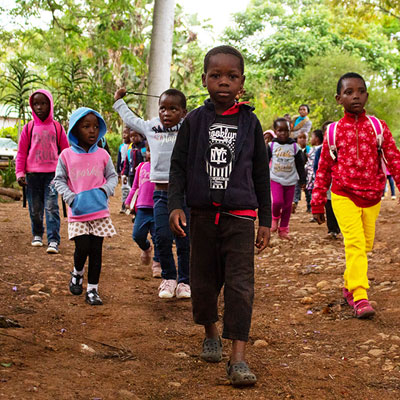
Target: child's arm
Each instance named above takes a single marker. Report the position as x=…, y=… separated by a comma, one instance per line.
x=22, y=155
x=262, y=189
x=64, y=144
x=391, y=153
x=138, y=124
x=299, y=162
x=135, y=186
x=177, y=180
x=316, y=160
x=61, y=182
x=111, y=178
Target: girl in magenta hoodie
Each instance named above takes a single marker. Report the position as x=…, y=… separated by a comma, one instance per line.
x=86, y=178
x=41, y=141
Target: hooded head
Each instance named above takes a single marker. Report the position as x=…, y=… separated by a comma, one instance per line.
x=75, y=117
x=36, y=118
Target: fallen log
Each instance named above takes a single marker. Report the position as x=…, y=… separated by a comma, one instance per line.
x=13, y=193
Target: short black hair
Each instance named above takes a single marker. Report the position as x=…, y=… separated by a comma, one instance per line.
x=281, y=119
x=177, y=93
x=225, y=49
x=348, y=75
x=319, y=134
x=325, y=125
x=306, y=106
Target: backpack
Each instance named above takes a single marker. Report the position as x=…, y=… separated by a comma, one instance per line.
x=376, y=126
x=30, y=130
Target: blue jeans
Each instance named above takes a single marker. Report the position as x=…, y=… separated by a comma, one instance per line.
x=165, y=238
x=144, y=223
x=43, y=197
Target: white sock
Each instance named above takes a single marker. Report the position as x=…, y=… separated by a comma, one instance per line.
x=91, y=287
x=80, y=273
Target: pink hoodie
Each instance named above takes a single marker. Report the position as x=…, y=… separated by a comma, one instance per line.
x=37, y=150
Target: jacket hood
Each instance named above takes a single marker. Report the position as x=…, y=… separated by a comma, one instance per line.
x=49, y=118
x=75, y=117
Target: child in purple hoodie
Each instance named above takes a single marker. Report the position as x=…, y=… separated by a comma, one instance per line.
x=86, y=178
x=41, y=141
x=142, y=190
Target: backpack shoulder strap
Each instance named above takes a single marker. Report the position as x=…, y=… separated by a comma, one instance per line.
x=58, y=134
x=29, y=130
x=331, y=138
x=295, y=148
x=378, y=129
x=272, y=147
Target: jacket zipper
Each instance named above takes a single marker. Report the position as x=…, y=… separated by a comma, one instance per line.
x=357, y=136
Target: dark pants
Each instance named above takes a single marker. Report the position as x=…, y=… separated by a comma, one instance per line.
x=43, y=198
x=165, y=239
x=222, y=255
x=330, y=218
x=92, y=246
x=144, y=223
x=297, y=196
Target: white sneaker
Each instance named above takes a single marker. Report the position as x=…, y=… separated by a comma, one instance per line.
x=53, y=248
x=183, y=291
x=37, y=241
x=393, y=197
x=167, y=289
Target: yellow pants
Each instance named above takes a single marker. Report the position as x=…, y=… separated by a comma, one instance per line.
x=358, y=229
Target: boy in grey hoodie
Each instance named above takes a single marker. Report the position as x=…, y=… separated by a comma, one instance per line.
x=161, y=133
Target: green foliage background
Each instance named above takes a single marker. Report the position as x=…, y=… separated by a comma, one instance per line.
x=295, y=51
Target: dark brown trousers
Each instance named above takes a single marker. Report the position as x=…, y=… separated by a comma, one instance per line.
x=222, y=255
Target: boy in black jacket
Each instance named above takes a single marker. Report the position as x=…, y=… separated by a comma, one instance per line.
x=220, y=163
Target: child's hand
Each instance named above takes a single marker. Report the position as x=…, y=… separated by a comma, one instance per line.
x=177, y=219
x=119, y=94
x=320, y=218
x=22, y=181
x=124, y=179
x=303, y=186
x=263, y=235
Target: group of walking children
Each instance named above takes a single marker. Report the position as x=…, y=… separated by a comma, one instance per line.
x=217, y=166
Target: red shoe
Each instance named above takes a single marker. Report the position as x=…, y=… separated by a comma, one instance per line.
x=284, y=233
x=363, y=310
x=348, y=296
x=274, y=225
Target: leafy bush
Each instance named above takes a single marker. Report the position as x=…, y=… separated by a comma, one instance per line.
x=8, y=175
x=10, y=132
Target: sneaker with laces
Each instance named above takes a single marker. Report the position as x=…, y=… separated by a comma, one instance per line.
x=52, y=248
x=363, y=310
x=393, y=197
x=166, y=290
x=183, y=291
x=156, y=269
x=348, y=296
x=145, y=256
x=76, y=288
x=37, y=241
x=93, y=298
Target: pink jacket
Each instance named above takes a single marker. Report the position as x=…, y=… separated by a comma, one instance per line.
x=146, y=188
x=38, y=148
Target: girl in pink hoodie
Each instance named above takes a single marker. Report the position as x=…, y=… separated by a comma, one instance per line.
x=41, y=141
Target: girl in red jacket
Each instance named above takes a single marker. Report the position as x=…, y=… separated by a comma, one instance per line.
x=353, y=163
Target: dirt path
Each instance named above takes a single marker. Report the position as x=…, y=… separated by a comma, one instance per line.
x=304, y=343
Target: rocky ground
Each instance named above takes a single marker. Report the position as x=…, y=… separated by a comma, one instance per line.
x=305, y=343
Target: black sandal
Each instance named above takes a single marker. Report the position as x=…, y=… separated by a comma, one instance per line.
x=239, y=374
x=75, y=288
x=212, y=350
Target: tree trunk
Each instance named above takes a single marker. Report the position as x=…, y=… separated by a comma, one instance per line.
x=160, y=53
x=13, y=193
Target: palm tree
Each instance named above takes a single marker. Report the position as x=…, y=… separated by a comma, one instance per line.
x=17, y=83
